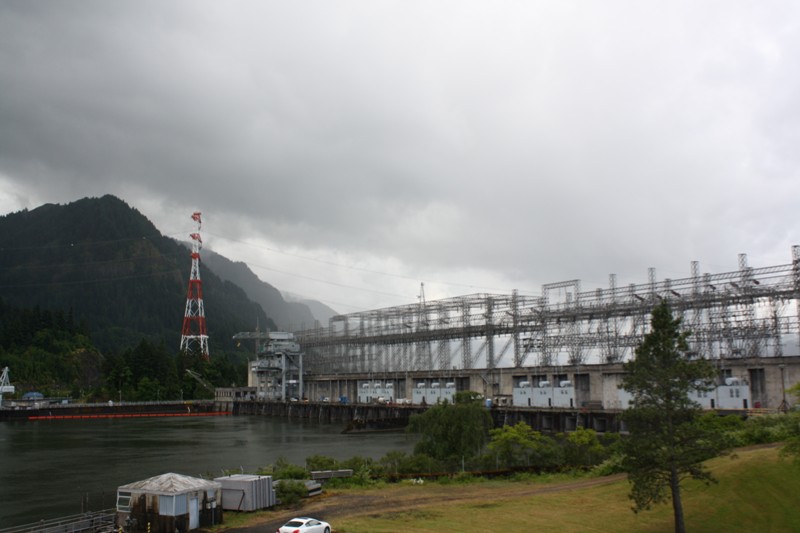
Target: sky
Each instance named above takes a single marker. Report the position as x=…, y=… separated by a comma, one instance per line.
x=362, y=152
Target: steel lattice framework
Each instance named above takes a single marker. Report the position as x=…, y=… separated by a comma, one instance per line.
x=194, y=335
x=750, y=312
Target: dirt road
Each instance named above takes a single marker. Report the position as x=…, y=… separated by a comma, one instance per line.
x=407, y=497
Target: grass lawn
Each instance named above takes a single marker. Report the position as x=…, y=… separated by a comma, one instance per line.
x=757, y=492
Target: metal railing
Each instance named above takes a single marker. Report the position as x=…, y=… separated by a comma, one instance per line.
x=91, y=522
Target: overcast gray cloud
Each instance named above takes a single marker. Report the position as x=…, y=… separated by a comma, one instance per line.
x=350, y=150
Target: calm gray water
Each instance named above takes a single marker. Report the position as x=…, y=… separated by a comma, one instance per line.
x=49, y=468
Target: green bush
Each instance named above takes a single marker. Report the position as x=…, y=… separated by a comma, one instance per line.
x=582, y=448
x=289, y=491
x=364, y=469
x=765, y=429
x=321, y=462
x=792, y=446
x=612, y=465
x=395, y=463
x=520, y=446
x=283, y=469
x=291, y=472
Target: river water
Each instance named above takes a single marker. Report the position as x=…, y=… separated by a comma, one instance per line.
x=50, y=469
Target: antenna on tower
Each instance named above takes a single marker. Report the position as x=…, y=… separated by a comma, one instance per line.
x=423, y=314
x=194, y=337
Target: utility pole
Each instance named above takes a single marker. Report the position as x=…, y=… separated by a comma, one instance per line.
x=784, y=407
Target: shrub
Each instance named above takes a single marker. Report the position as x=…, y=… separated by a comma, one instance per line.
x=582, y=448
x=419, y=463
x=765, y=429
x=283, y=469
x=364, y=469
x=289, y=491
x=291, y=472
x=321, y=462
x=521, y=446
x=612, y=465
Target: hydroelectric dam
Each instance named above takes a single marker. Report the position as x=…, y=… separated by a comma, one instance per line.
x=554, y=359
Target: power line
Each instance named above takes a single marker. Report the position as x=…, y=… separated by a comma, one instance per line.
x=357, y=269
x=327, y=282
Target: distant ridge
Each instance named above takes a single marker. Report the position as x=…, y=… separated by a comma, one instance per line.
x=321, y=312
x=287, y=315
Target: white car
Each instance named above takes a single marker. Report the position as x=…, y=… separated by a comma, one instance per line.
x=305, y=525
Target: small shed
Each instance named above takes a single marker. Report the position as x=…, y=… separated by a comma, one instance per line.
x=245, y=492
x=168, y=503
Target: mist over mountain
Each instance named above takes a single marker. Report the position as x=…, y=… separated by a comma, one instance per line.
x=105, y=263
x=321, y=312
x=290, y=314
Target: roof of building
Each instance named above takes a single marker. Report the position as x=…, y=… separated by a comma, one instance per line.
x=170, y=484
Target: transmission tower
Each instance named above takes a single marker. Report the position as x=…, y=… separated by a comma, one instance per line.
x=194, y=337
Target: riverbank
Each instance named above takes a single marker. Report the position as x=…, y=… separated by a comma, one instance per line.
x=70, y=411
x=756, y=487
x=95, y=456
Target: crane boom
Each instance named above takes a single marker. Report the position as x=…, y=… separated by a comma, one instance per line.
x=208, y=386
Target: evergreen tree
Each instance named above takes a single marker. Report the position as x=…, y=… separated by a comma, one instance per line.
x=667, y=441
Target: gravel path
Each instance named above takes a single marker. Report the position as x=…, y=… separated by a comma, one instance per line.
x=331, y=507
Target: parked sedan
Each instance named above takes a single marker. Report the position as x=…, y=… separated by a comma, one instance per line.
x=305, y=525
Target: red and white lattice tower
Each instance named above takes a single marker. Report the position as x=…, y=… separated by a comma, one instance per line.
x=194, y=337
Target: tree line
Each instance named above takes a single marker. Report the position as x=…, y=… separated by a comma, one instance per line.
x=48, y=351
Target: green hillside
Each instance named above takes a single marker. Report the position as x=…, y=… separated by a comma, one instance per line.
x=112, y=270
x=92, y=298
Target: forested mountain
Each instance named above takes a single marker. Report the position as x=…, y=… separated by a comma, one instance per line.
x=108, y=266
x=92, y=298
x=47, y=347
x=288, y=315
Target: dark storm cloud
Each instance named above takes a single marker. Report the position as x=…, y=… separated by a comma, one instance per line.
x=496, y=145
